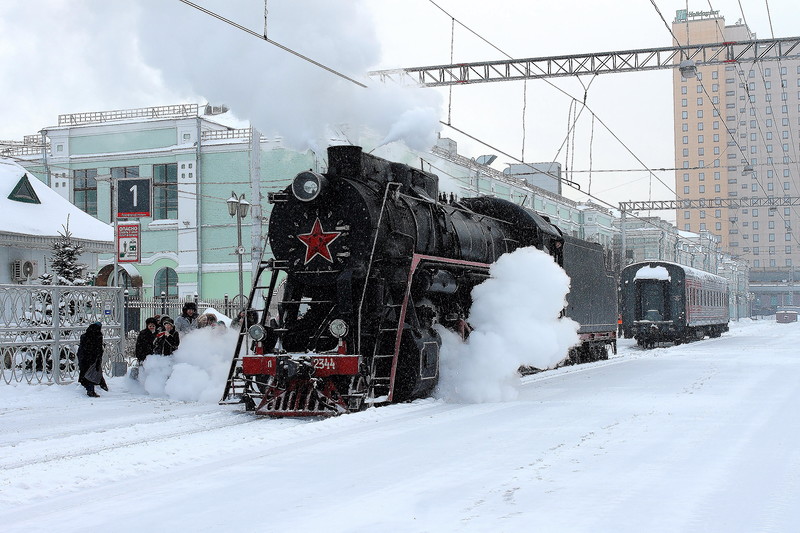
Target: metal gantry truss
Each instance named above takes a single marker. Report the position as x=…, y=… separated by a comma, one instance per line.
x=597, y=63
x=705, y=203
x=701, y=203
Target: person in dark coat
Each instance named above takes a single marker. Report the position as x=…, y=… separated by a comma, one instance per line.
x=167, y=341
x=90, y=355
x=187, y=321
x=145, y=340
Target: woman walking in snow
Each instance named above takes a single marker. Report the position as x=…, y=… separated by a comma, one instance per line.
x=90, y=360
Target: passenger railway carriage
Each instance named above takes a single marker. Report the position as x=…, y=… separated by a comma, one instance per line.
x=666, y=302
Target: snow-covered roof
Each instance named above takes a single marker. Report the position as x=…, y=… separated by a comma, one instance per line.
x=47, y=218
x=652, y=272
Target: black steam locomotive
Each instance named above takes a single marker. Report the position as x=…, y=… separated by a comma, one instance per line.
x=667, y=302
x=368, y=257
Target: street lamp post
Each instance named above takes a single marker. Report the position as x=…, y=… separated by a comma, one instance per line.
x=238, y=207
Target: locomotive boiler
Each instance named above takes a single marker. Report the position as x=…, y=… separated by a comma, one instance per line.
x=368, y=257
x=667, y=302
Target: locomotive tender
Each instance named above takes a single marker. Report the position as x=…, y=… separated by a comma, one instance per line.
x=667, y=302
x=371, y=257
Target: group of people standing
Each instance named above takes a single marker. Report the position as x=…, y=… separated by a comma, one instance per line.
x=161, y=336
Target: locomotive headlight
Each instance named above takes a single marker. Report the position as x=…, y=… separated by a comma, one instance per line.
x=338, y=328
x=308, y=185
x=257, y=332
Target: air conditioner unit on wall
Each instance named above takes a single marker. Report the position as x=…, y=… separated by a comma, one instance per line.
x=24, y=269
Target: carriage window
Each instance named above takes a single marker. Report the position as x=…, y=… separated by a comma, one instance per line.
x=654, y=301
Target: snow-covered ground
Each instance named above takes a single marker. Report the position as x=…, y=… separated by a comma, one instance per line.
x=699, y=437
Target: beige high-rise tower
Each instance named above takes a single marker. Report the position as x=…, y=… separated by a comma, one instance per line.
x=729, y=119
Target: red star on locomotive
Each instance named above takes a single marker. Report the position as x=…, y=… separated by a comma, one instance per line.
x=317, y=242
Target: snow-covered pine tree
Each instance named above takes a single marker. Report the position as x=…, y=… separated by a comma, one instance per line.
x=64, y=261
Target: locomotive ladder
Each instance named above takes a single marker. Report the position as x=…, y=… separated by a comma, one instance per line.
x=236, y=384
x=383, y=365
x=383, y=368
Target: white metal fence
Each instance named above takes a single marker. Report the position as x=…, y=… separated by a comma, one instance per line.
x=41, y=325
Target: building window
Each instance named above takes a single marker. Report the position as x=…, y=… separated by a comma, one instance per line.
x=165, y=191
x=166, y=281
x=699, y=113
x=684, y=115
x=686, y=190
x=85, y=190
x=684, y=90
x=702, y=188
x=125, y=172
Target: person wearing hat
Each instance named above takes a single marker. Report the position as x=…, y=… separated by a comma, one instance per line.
x=145, y=339
x=90, y=360
x=167, y=340
x=188, y=319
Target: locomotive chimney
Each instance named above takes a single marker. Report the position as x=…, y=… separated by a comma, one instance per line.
x=344, y=161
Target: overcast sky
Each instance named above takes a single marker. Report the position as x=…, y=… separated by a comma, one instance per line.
x=65, y=56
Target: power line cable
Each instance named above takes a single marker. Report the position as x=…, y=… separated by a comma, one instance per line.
x=270, y=41
x=559, y=89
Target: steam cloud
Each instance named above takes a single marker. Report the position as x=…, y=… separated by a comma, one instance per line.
x=514, y=316
x=278, y=92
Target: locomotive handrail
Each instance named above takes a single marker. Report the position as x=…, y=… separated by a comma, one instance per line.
x=372, y=256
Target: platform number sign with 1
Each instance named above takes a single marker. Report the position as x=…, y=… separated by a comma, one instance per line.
x=133, y=197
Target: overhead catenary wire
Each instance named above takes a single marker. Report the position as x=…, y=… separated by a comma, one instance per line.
x=566, y=182
x=734, y=140
x=270, y=41
x=556, y=87
x=754, y=112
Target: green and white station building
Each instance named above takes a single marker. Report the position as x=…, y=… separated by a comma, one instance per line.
x=193, y=161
